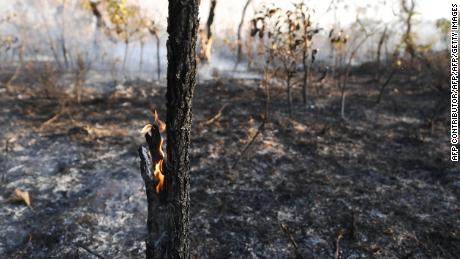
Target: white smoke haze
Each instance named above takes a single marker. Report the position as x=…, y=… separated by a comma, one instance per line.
x=46, y=27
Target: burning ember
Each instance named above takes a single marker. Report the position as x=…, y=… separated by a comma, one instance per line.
x=155, y=142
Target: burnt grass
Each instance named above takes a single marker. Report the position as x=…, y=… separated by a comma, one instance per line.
x=378, y=185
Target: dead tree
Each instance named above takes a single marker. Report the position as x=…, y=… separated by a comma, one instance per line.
x=168, y=205
x=157, y=226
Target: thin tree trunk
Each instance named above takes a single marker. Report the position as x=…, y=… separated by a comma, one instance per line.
x=208, y=43
x=342, y=106
x=63, y=45
x=182, y=29
x=379, y=53
x=158, y=57
x=289, y=94
x=125, y=56
x=266, y=84
x=141, y=58
x=238, y=35
x=408, y=37
x=168, y=206
x=334, y=63
x=250, y=51
x=382, y=88
x=380, y=45
x=50, y=39
x=306, y=70
x=64, y=51
x=100, y=25
x=211, y=18
x=342, y=99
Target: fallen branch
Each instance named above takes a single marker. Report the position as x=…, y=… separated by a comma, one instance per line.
x=91, y=251
x=285, y=228
x=215, y=117
x=259, y=130
x=337, y=246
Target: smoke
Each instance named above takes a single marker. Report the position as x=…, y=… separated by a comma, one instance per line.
x=63, y=31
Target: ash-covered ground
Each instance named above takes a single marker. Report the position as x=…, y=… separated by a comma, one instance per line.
x=378, y=185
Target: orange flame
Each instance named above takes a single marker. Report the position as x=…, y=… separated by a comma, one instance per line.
x=158, y=172
x=158, y=166
x=160, y=123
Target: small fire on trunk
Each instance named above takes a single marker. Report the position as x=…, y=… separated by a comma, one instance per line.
x=152, y=134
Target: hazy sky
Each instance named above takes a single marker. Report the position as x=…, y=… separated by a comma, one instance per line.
x=228, y=12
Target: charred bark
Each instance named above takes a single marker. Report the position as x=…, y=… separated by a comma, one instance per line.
x=168, y=206
x=211, y=18
x=182, y=30
x=156, y=241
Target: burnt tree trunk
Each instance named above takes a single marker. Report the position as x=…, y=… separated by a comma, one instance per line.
x=182, y=30
x=168, y=206
x=211, y=18
x=157, y=236
x=209, y=23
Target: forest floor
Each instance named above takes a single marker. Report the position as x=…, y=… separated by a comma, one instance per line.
x=378, y=185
